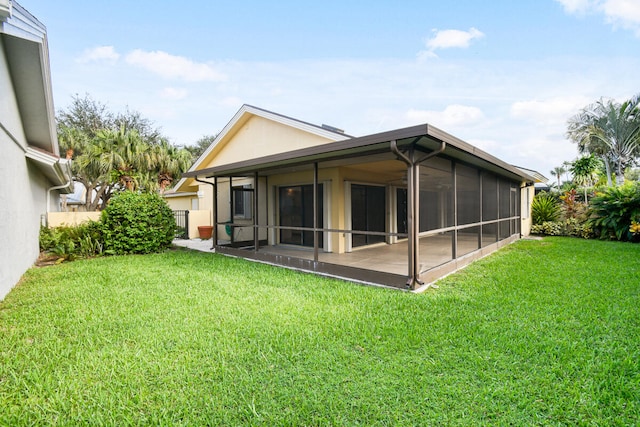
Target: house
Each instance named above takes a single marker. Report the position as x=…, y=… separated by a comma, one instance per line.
x=399, y=208
x=28, y=142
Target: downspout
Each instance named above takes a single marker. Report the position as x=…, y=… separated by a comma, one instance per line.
x=50, y=189
x=413, y=208
x=57, y=187
x=215, y=210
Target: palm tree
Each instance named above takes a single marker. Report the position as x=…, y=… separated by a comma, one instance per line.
x=585, y=172
x=170, y=161
x=94, y=168
x=611, y=131
x=557, y=172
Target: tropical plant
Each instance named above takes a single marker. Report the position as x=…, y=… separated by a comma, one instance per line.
x=137, y=223
x=170, y=163
x=544, y=207
x=114, y=152
x=585, y=172
x=610, y=131
x=557, y=172
x=71, y=242
x=614, y=211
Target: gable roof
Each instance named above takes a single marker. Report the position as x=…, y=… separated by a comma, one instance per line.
x=24, y=41
x=242, y=116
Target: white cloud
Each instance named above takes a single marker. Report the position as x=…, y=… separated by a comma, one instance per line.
x=619, y=13
x=576, y=6
x=174, y=67
x=625, y=13
x=488, y=145
x=173, y=93
x=553, y=111
x=446, y=39
x=453, y=115
x=99, y=53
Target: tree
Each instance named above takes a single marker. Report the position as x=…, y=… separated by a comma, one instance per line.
x=200, y=146
x=171, y=162
x=116, y=152
x=557, y=172
x=610, y=131
x=585, y=172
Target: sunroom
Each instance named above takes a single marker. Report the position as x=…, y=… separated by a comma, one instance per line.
x=397, y=209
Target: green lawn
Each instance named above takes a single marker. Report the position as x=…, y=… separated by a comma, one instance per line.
x=540, y=333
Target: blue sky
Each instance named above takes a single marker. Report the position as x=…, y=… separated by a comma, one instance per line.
x=503, y=75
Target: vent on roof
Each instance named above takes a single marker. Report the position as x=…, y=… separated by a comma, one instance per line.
x=332, y=129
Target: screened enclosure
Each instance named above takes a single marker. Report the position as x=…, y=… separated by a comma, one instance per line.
x=389, y=209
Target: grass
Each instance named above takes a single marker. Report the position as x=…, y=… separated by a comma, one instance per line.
x=540, y=333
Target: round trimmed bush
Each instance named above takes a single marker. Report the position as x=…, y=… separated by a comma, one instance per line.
x=137, y=223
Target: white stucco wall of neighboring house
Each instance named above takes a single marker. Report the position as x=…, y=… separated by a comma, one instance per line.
x=29, y=165
x=22, y=197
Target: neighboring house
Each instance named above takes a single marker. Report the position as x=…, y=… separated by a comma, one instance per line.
x=32, y=174
x=398, y=208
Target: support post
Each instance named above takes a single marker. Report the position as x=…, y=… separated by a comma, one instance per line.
x=231, y=196
x=256, y=235
x=413, y=207
x=315, y=212
x=215, y=212
x=214, y=216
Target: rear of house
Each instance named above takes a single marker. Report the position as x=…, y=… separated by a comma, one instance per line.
x=399, y=208
x=32, y=173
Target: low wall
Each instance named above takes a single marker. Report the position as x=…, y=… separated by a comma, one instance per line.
x=196, y=218
x=56, y=219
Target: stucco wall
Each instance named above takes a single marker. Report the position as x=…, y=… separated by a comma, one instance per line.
x=260, y=137
x=23, y=195
x=56, y=219
x=181, y=203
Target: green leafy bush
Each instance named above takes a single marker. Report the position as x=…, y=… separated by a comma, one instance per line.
x=134, y=223
x=568, y=227
x=613, y=212
x=71, y=242
x=545, y=207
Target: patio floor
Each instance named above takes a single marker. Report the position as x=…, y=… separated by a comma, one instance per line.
x=389, y=258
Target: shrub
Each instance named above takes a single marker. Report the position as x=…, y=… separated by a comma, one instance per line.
x=134, y=223
x=613, y=212
x=545, y=207
x=568, y=227
x=70, y=242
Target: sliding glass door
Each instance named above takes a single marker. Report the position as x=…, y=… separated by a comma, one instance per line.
x=367, y=213
x=296, y=210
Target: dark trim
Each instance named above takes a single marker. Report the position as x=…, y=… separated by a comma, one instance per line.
x=423, y=137
x=344, y=272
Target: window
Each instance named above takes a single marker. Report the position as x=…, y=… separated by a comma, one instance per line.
x=242, y=202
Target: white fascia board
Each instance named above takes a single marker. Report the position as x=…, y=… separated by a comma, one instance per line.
x=20, y=23
x=5, y=9
x=27, y=49
x=248, y=109
x=57, y=170
x=306, y=127
x=170, y=195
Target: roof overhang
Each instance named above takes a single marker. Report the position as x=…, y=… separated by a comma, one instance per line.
x=57, y=170
x=425, y=138
x=5, y=9
x=25, y=44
